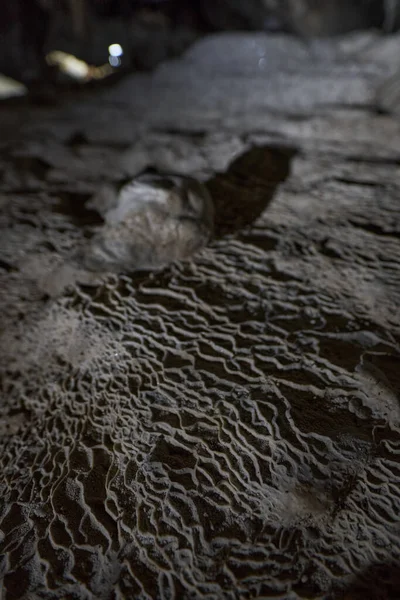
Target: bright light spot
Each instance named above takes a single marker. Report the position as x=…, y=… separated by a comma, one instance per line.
x=114, y=61
x=115, y=50
x=10, y=88
x=71, y=65
x=79, y=69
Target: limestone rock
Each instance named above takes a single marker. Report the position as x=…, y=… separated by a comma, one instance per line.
x=156, y=220
x=228, y=426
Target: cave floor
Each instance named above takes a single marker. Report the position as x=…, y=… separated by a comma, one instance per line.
x=227, y=427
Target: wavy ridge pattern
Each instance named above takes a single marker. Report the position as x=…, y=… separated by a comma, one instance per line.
x=226, y=428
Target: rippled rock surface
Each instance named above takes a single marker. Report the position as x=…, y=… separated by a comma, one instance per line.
x=227, y=427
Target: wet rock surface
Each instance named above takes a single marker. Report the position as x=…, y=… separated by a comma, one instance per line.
x=227, y=427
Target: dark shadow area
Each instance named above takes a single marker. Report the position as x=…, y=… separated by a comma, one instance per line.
x=73, y=204
x=240, y=194
x=385, y=368
x=244, y=191
x=377, y=582
x=238, y=197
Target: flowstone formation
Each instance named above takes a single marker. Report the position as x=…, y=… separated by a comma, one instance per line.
x=152, y=221
x=227, y=426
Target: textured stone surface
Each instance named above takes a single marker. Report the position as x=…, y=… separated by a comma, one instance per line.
x=150, y=223
x=227, y=427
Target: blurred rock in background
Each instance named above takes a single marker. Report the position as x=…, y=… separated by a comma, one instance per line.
x=151, y=30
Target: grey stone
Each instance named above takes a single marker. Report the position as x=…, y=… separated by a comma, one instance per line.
x=227, y=426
